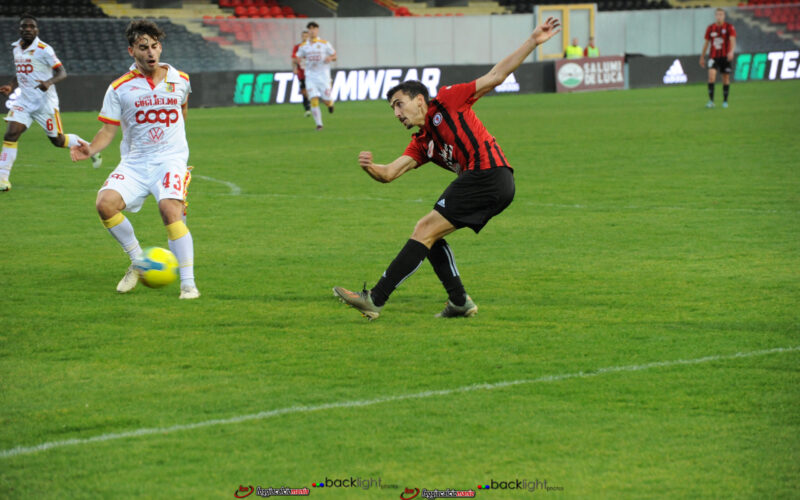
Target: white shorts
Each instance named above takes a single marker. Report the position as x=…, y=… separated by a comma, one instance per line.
x=45, y=112
x=318, y=88
x=165, y=179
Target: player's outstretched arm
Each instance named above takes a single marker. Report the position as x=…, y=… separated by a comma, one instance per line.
x=501, y=70
x=101, y=140
x=388, y=172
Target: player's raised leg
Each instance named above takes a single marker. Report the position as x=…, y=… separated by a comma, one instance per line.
x=51, y=123
x=109, y=206
x=180, y=243
x=444, y=265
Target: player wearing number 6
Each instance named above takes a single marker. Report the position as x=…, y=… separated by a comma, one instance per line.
x=37, y=71
x=150, y=102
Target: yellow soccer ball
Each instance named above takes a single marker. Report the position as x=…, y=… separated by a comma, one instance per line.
x=156, y=267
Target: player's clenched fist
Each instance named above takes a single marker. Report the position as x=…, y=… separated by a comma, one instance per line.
x=365, y=159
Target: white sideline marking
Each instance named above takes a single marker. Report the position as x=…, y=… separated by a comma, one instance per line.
x=235, y=190
x=25, y=450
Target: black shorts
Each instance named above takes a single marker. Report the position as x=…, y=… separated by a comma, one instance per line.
x=721, y=64
x=302, y=83
x=476, y=196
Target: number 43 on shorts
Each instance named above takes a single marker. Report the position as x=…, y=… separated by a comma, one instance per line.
x=177, y=181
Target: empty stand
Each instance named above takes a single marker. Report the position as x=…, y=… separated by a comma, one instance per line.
x=103, y=48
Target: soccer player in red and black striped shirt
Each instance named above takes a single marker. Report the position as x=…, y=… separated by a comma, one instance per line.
x=721, y=36
x=451, y=136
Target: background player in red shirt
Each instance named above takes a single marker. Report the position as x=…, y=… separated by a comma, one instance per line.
x=451, y=136
x=297, y=69
x=721, y=36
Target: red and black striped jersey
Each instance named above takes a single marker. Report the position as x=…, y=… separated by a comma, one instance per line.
x=453, y=137
x=720, y=38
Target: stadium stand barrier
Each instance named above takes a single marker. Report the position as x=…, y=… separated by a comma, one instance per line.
x=229, y=47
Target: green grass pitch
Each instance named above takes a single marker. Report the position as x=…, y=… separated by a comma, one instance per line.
x=646, y=230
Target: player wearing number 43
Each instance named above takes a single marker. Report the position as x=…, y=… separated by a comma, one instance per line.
x=150, y=102
x=37, y=71
x=451, y=136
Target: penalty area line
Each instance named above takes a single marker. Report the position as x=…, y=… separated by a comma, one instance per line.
x=27, y=450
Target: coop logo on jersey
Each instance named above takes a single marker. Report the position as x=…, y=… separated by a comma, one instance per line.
x=165, y=116
x=778, y=65
x=570, y=75
x=24, y=68
x=347, y=85
x=675, y=74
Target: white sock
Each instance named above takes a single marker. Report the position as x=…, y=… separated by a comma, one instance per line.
x=183, y=248
x=317, y=114
x=7, y=157
x=72, y=140
x=123, y=233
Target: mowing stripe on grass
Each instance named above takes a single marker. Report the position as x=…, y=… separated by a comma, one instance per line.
x=26, y=450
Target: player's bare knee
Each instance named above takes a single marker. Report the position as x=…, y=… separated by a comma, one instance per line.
x=12, y=134
x=105, y=208
x=171, y=210
x=424, y=232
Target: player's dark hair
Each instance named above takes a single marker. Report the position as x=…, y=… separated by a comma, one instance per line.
x=720, y=9
x=141, y=27
x=411, y=88
x=28, y=15
x=312, y=24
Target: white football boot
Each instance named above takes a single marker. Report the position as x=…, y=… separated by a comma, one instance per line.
x=129, y=281
x=189, y=292
x=97, y=160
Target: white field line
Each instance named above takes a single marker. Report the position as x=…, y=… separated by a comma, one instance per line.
x=26, y=450
x=235, y=190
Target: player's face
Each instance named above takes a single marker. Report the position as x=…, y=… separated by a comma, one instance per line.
x=720, y=16
x=28, y=30
x=313, y=32
x=410, y=111
x=146, y=52
x=304, y=35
